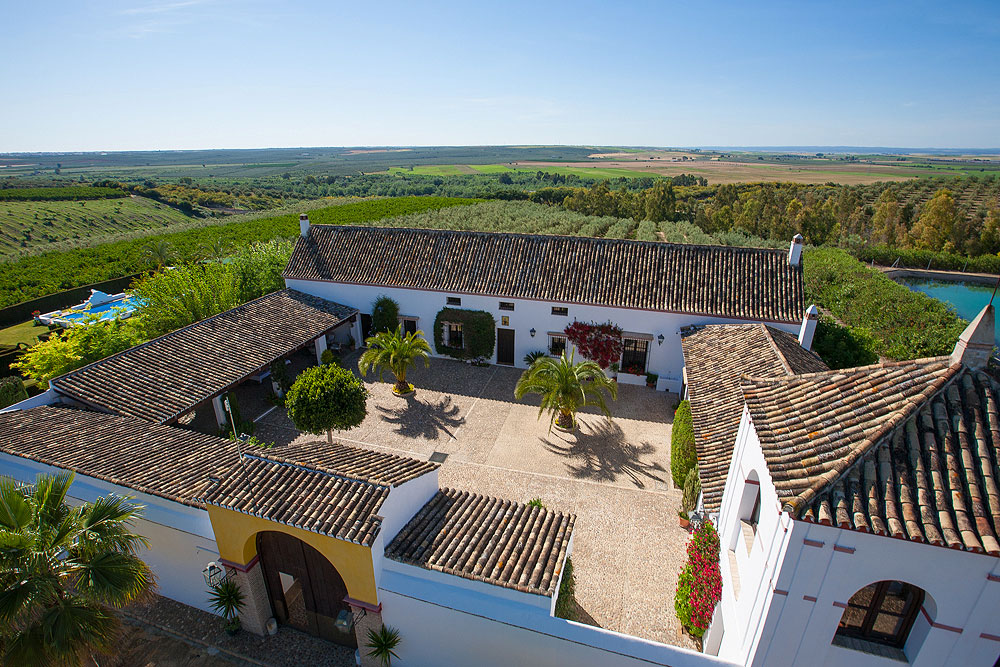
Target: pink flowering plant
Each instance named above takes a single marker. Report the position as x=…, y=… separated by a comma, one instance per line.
x=598, y=342
x=699, y=587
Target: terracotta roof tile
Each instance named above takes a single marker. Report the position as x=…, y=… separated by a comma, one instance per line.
x=743, y=283
x=355, y=462
x=496, y=541
x=716, y=356
x=168, y=376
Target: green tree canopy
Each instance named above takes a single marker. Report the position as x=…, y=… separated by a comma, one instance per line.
x=394, y=352
x=682, y=452
x=385, y=315
x=327, y=398
x=565, y=388
x=936, y=224
x=61, y=568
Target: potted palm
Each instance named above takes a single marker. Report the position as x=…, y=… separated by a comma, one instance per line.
x=382, y=643
x=227, y=599
x=565, y=388
x=614, y=371
x=651, y=379
x=392, y=351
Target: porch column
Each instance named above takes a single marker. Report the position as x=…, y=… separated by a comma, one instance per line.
x=372, y=621
x=220, y=412
x=257, y=606
x=320, y=349
x=356, y=332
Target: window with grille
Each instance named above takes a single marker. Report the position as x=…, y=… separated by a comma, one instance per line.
x=634, y=353
x=882, y=612
x=506, y=305
x=455, y=336
x=557, y=345
x=454, y=301
x=558, y=310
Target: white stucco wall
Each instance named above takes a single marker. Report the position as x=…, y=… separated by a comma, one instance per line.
x=793, y=574
x=442, y=621
x=402, y=503
x=665, y=360
x=180, y=537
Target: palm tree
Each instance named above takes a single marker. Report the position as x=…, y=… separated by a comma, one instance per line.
x=158, y=253
x=217, y=249
x=392, y=351
x=61, y=568
x=565, y=388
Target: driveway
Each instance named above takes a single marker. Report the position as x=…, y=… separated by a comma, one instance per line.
x=628, y=548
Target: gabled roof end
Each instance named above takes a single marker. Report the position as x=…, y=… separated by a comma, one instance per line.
x=975, y=345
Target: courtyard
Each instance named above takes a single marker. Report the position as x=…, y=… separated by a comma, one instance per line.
x=615, y=475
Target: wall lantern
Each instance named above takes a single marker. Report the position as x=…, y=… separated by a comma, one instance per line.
x=346, y=620
x=659, y=339
x=213, y=574
x=532, y=332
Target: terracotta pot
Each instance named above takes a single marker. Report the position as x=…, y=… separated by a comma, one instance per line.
x=684, y=522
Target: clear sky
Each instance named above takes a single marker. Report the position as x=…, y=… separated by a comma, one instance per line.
x=169, y=74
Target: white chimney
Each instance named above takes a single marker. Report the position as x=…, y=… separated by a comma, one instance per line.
x=808, y=328
x=975, y=345
x=304, y=225
x=795, y=251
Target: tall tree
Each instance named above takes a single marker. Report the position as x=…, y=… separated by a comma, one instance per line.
x=61, y=568
x=935, y=226
x=658, y=202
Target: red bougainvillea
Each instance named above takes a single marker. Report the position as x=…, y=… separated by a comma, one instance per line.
x=598, y=342
x=699, y=586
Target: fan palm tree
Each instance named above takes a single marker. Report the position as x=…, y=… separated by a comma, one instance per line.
x=565, y=388
x=392, y=351
x=61, y=568
x=158, y=253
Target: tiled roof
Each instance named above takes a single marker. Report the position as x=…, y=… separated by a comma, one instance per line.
x=306, y=498
x=355, y=462
x=744, y=283
x=906, y=449
x=496, y=541
x=716, y=356
x=168, y=376
x=164, y=461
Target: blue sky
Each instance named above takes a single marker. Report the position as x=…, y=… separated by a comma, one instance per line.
x=174, y=74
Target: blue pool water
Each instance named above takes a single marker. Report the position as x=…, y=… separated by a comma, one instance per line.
x=106, y=311
x=966, y=299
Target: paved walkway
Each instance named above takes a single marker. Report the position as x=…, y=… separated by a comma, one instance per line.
x=628, y=547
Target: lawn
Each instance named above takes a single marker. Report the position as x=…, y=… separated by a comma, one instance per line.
x=26, y=332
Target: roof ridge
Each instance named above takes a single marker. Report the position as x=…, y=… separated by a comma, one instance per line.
x=609, y=241
x=891, y=363
x=857, y=453
x=777, y=351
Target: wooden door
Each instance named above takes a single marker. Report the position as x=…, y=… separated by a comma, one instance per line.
x=505, y=347
x=409, y=326
x=366, y=328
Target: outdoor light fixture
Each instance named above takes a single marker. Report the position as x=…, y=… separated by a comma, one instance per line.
x=213, y=574
x=532, y=332
x=346, y=620
x=659, y=339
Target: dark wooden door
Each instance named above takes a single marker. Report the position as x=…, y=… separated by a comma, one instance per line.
x=366, y=328
x=409, y=326
x=505, y=347
x=305, y=589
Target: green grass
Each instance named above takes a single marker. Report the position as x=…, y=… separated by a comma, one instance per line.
x=428, y=170
x=26, y=332
x=33, y=225
x=491, y=168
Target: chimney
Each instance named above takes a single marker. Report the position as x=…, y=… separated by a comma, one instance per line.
x=808, y=328
x=795, y=251
x=975, y=345
x=304, y=225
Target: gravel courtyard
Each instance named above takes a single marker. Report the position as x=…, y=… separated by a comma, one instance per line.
x=628, y=548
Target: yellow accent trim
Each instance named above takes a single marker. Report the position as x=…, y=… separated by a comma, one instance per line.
x=236, y=537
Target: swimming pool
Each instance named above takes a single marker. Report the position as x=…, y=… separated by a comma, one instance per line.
x=967, y=299
x=106, y=307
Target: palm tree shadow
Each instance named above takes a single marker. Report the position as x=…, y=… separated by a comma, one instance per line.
x=600, y=452
x=419, y=419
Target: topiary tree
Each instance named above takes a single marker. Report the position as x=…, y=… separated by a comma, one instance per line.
x=692, y=487
x=385, y=315
x=682, y=452
x=324, y=398
x=11, y=391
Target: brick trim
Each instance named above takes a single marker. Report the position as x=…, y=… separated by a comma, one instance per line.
x=842, y=605
x=808, y=598
x=813, y=543
x=752, y=481
x=993, y=577
x=844, y=550
x=360, y=604
x=986, y=635
x=940, y=626
x=242, y=568
x=778, y=591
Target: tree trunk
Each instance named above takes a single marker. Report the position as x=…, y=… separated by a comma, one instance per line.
x=329, y=437
x=565, y=419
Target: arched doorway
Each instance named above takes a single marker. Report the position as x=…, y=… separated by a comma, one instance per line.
x=305, y=589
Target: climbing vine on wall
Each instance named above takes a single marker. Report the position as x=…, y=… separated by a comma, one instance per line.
x=479, y=333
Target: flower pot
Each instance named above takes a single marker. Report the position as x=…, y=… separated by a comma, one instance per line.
x=404, y=394
x=684, y=522
x=651, y=385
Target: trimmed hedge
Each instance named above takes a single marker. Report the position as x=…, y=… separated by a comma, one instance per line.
x=11, y=391
x=902, y=324
x=692, y=488
x=841, y=347
x=682, y=452
x=479, y=333
x=385, y=315
x=924, y=259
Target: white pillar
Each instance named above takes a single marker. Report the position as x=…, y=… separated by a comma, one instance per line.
x=808, y=328
x=320, y=348
x=220, y=412
x=795, y=251
x=356, y=331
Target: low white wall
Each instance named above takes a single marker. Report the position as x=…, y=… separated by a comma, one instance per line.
x=451, y=625
x=397, y=509
x=47, y=397
x=180, y=537
x=666, y=360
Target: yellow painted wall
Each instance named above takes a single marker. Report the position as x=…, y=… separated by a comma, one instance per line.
x=236, y=537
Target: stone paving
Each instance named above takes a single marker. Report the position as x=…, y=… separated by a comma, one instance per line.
x=628, y=547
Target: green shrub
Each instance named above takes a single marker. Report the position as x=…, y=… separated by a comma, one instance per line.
x=536, y=502
x=385, y=315
x=328, y=357
x=903, y=324
x=532, y=357
x=682, y=452
x=692, y=488
x=912, y=258
x=479, y=333
x=11, y=391
x=565, y=602
x=841, y=347
x=327, y=398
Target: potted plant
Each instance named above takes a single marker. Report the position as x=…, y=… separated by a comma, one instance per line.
x=381, y=644
x=227, y=599
x=684, y=520
x=395, y=352
x=565, y=387
x=651, y=379
x=614, y=371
